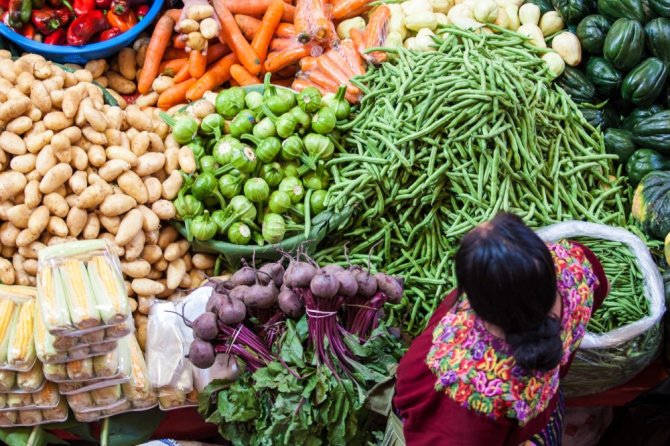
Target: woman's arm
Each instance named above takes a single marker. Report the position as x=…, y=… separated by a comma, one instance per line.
x=603, y=288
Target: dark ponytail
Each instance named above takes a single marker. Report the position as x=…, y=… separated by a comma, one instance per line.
x=508, y=274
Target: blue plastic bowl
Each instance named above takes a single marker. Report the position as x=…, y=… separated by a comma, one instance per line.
x=82, y=54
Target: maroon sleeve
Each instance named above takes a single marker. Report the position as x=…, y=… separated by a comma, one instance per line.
x=599, y=294
x=429, y=417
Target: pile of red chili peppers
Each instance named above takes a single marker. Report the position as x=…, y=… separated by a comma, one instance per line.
x=72, y=22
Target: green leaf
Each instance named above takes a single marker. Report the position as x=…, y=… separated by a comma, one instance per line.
x=130, y=429
x=33, y=436
x=205, y=399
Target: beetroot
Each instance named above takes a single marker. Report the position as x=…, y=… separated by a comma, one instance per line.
x=244, y=276
x=275, y=271
x=389, y=286
x=261, y=296
x=367, y=285
x=201, y=354
x=239, y=292
x=299, y=274
x=290, y=303
x=204, y=326
x=232, y=311
x=324, y=285
x=214, y=301
x=348, y=284
x=331, y=269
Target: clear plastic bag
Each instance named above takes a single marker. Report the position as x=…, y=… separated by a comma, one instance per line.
x=17, y=318
x=80, y=288
x=46, y=398
x=57, y=414
x=607, y=360
x=22, y=382
x=180, y=394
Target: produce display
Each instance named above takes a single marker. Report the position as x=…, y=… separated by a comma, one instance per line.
x=266, y=177
x=330, y=155
x=303, y=344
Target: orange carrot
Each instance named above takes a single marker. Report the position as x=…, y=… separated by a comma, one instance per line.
x=217, y=74
x=357, y=39
x=311, y=22
x=174, y=53
x=242, y=76
x=178, y=42
x=269, y=23
x=216, y=52
x=235, y=40
x=175, y=94
x=288, y=72
x=174, y=14
x=340, y=62
x=327, y=65
x=376, y=31
x=307, y=63
x=342, y=9
x=280, y=59
x=182, y=75
x=157, y=45
x=300, y=84
x=321, y=78
x=248, y=25
x=285, y=30
x=170, y=67
x=197, y=64
x=257, y=8
x=354, y=60
x=233, y=83
x=289, y=14
x=278, y=44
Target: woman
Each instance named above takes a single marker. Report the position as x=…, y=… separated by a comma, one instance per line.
x=486, y=370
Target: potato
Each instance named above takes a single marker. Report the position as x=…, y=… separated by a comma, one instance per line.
x=175, y=250
x=168, y=235
x=111, y=224
x=8, y=234
x=118, y=152
x=73, y=133
x=11, y=184
x=175, y=273
x=161, y=265
x=171, y=159
x=38, y=220
x=83, y=75
x=79, y=158
x=13, y=108
x=76, y=221
x=35, y=143
x=187, y=160
x=164, y=209
x=200, y=109
x=55, y=177
x=93, y=195
x=127, y=63
x=57, y=204
x=39, y=96
x=203, y=261
x=152, y=253
x=162, y=83
x=12, y=143
x=112, y=169
x=134, y=246
x=92, y=228
x=26, y=237
x=57, y=226
x=147, y=100
x=57, y=98
x=117, y=204
x=19, y=215
x=129, y=227
x=154, y=189
x=94, y=136
x=71, y=100
x=172, y=185
x=61, y=147
x=151, y=220
x=23, y=163
x=114, y=137
x=57, y=121
x=139, y=119
x=20, y=125
x=96, y=155
x=96, y=67
x=24, y=81
x=78, y=182
x=136, y=269
x=140, y=143
x=46, y=160
x=119, y=83
x=35, y=114
x=147, y=287
x=95, y=119
x=7, y=274
x=32, y=194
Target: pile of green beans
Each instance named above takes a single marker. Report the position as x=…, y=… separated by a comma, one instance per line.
x=625, y=302
x=443, y=141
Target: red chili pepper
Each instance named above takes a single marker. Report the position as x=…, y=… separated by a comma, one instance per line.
x=28, y=31
x=58, y=37
x=103, y=4
x=45, y=20
x=119, y=6
x=64, y=15
x=142, y=11
x=81, y=7
x=84, y=27
x=109, y=34
x=4, y=4
x=124, y=21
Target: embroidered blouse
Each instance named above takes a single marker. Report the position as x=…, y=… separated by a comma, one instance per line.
x=469, y=382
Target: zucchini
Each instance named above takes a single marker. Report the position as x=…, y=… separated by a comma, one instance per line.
x=592, y=31
x=617, y=9
x=604, y=76
x=653, y=132
x=658, y=38
x=577, y=85
x=624, y=44
x=644, y=84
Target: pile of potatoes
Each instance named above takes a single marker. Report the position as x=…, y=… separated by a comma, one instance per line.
x=72, y=167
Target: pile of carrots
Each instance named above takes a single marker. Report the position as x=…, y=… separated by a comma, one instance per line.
x=297, y=44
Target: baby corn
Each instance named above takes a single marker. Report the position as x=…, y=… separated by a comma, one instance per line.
x=51, y=296
x=138, y=389
x=110, y=292
x=7, y=318
x=79, y=293
x=31, y=380
x=44, y=341
x=21, y=349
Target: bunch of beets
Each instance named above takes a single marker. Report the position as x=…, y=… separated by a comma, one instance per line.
x=245, y=314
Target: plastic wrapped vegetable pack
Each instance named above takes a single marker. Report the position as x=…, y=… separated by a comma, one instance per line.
x=624, y=335
x=17, y=309
x=35, y=417
x=46, y=398
x=446, y=139
x=80, y=288
x=261, y=175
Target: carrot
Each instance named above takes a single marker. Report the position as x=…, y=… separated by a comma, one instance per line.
x=182, y=75
x=233, y=82
x=269, y=23
x=289, y=14
x=178, y=42
x=357, y=39
x=197, y=64
x=340, y=62
x=310, y=21
x=174, y=14
x=242, y=76
x=353, y=58
x=307, y=63
x=285, y=30
x=278, y=44
x=256, y=8
x=157, y=45
x=170, y=67
x=235, y=40
x=321, y=78
x=174, y=53
x=300, y=84
x=342, y=9
x=175, y=94
x=288, y=72
x=280, y=59
x=376, y=31
x=217, y=74
x=283, y=82
x=216, y=52
x=248, y=25
x=327, y=65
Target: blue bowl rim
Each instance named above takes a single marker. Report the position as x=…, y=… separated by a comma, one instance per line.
x=68, y=50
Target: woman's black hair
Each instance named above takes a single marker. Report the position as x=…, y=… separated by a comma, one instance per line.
x=508, y=275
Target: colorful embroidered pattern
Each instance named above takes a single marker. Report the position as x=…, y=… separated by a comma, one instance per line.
x=478, y=371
